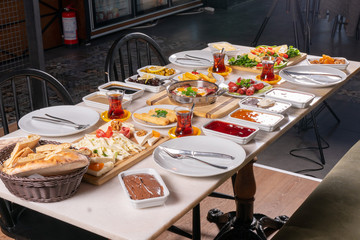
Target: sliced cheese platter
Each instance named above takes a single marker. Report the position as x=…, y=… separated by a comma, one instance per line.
x=115, y=147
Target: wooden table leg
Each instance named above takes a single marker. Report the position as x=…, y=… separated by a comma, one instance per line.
x=244, y=224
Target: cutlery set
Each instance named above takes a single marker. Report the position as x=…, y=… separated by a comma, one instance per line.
x=60, y=121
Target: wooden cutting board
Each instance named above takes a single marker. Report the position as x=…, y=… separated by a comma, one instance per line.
x=222, y=107
x=124, y=164
x=291, y=62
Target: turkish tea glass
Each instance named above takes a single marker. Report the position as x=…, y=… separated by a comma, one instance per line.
x=267, y=73
x=115, y=104
x=184, y=117
x=219, y=62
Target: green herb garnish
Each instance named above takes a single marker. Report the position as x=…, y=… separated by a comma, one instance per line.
x=104, y=154
x=189, y=92
x=244, y=83
x=243, y=60
x=95, y=151
x=292, y=52
x=160, y=113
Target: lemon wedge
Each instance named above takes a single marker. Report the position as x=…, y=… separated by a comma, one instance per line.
x=155, y=69
x=281, y=49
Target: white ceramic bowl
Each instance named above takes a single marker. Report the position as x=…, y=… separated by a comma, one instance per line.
x=149, y=88
x=158, y=76
x=297, y=99
x=149, y=202
x=237, y=139
x=279, y=106
x=131, y=92
x=338, y=66
x=100, y=100
x=272, y=122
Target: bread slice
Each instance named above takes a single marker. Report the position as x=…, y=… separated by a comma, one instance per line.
x=59, y=163
x=31, y=141
x=53, y=147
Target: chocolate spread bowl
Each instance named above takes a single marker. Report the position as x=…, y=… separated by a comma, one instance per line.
x=201, y=100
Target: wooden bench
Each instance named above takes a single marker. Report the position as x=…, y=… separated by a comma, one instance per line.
x=332, y=211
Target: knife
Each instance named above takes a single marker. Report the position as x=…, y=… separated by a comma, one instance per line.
x=198, y=153
x=312, y=73
x=303, y=77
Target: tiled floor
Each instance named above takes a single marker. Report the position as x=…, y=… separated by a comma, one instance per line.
x=239, y=25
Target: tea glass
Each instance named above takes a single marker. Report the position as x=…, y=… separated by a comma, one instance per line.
x=267, y=73
x=219, y=62
x=184, y=117
x=115, y=98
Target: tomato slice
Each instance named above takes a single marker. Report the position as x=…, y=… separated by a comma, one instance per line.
x=109, y=132
x=100, y=133
x=96, y=166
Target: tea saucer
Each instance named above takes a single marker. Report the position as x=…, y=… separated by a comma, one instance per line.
x=224, y=74
x=104, y=116
x=196, y=131
x=277, y=79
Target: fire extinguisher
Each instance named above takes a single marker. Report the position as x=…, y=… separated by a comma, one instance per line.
x=69, y=26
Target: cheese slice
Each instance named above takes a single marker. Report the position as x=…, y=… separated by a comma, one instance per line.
x=141, y=140
x=153, y=140
x=107, y=167
x=226, y=46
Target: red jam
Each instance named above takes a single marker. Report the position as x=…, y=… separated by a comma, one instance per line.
x=230, y=128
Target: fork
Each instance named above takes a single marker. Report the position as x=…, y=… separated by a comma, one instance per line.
x=179, y=156
x=302, y=78
x=68, y=121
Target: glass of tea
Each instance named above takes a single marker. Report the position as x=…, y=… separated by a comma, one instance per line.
x=115, y=98
x=219, y=62
x=183, y=127
x=267, y=73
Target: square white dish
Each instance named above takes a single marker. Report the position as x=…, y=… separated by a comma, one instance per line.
x=149, y=202
x=338, y=66
x=251, y=103
x=235, y=138
x=228, y=52
x=297, y=99
x=149, y=88
x=100, y=100
x=266, y=121
x=131, y=92
x=157, y=75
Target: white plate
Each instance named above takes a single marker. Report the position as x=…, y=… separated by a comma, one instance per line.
x=225, y=86
x=323, y=81
x=147, y=109
x=218, y=77
x=148, y=88
x=230, y=53
x=80, y=115
x=158, y=76
x=100, y=100
x=193, y=63
x=338, y=66
x=193, y=168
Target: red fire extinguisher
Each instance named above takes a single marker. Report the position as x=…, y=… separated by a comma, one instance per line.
x=69, y=26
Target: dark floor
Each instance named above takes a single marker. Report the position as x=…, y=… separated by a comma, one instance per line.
x=82, y=69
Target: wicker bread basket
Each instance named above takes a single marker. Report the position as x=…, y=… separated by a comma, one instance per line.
x=44, y=189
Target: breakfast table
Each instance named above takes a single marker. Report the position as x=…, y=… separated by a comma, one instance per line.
x=106, y=211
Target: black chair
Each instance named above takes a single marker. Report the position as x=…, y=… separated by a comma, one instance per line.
x=21, y=92
x=26, y=90
x=129, y=53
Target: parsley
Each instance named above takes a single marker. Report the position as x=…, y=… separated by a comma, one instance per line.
x=160, y=113
x=244, y=83
x=95, y=151
x=189, y=92
x=243, y=60
x=104, y=154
